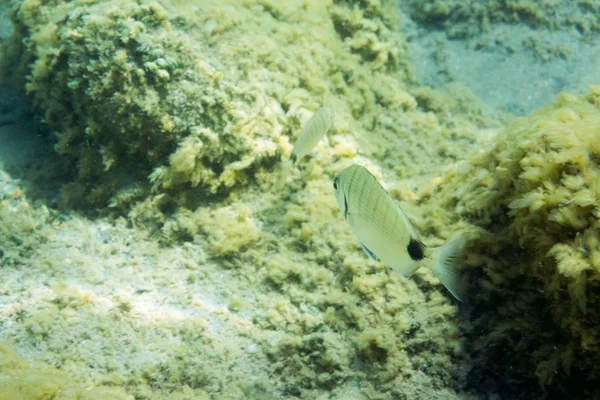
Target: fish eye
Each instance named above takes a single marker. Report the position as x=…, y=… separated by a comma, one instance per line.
x=335, y=184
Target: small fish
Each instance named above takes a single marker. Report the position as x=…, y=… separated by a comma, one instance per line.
x=316, y=127
x=385, y=231
x=351, y=393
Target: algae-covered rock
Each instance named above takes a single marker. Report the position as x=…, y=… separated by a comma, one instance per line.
x=196, y=100
x=19, y=380
x=227, y=283
x=535, y=194
x=465, y=18
x=229, y=278
x=129, y=95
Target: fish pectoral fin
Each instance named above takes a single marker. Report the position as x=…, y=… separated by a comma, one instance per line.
x=368, y=252
x=356, y=222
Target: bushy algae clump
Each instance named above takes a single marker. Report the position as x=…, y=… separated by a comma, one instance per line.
x=20, y=380
x=129, y=96
x=535, y=194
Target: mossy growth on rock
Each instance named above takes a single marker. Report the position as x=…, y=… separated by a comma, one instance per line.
x=192, y=101
x=20, y=380
x=463, y=18
x=135, y=102
x=535, y=195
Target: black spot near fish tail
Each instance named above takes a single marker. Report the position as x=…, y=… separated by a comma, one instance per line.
x=416, y=249
x=293, y=157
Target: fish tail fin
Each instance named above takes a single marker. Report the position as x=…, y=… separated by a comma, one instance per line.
x=447, y=265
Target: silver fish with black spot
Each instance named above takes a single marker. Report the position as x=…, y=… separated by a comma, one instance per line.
x=385, y=232
x=312, y=132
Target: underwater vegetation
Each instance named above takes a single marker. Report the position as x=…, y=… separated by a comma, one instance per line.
x=178, y=138
x=19, y=380
x=465, y=18
x=117, y=83
x=155, y=111
x=203, y=276
x=535, y=194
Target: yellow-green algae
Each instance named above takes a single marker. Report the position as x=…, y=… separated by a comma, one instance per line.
x=534, y=194
x=218, y=281
x=257, y=293
x=19, y=380
x=206, y=95
x=464, y=18
x=110, y=308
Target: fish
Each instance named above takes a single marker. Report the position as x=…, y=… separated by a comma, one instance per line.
x=385, y=232
x=312, y=132
x=351, y=393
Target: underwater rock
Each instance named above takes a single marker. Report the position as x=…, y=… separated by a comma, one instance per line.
x=196, y=101
x=535, y=196
x=20, y=380
x=464, y=18
x=184, y=109
x=175, y=114
x=129, y=96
